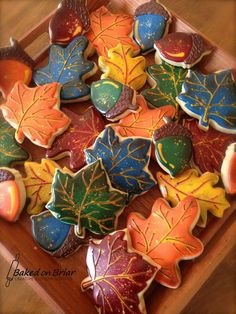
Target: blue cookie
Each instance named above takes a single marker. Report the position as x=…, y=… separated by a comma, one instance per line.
x=125, y=160
x=151, y=22
x=69, y=67
x=211, y=99
x=54, y=236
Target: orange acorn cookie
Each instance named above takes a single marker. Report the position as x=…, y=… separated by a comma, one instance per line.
x=108, y=30
x=12, y=194
x=34, y=113
x=71, y=19
x=15, y=65
x=166, y=237
x=122, y=65
x=181, y=49
x=228, y=169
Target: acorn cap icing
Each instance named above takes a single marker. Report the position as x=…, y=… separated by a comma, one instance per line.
x=171, y=129
x=79, y=6
x=6, y=175
x=15, y=52
x=152, y=7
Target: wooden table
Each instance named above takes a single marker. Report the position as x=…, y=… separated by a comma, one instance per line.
x=214, y=18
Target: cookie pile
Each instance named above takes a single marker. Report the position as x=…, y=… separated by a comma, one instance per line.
x=185, y=121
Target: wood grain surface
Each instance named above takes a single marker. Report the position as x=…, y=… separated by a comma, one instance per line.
x=214, y=18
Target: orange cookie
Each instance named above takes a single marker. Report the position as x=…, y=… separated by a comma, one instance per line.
x=108, y=30
x=12, y=194
x=15, y=65
x=166, y=237
x=34, y=113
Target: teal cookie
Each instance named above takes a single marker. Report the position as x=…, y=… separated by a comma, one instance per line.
x=113, y=99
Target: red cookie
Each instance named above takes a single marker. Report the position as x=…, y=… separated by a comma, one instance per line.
x=208, y=147
x=71, y=19
x=181, y=49
x=81, y=134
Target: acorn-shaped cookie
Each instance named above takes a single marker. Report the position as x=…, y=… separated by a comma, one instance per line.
x=228, y=169
x=113, y=99
x=173, y=148
x=151, y=22
x=55, y=237
x=71, y=19
x=181, y=49
x=15, y=65
x=12, y=194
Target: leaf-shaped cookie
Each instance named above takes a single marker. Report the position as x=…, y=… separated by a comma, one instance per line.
x=10, y=151
x=210, y=198
x=125, y=160
x=86, y=199
x=211, y=99
x=122, y=66
x=81, y=134
x=118, y=276
x=108, y=30
x=166, y=81
x=38, y=183
x=208, y=147
x=145, y=121
x=69, y=67
x=34, y=113
x=166, y=237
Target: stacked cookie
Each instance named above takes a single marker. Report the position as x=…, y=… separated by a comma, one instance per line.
x=110, y=142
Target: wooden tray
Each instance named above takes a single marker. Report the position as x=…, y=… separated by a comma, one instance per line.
x=65, y=296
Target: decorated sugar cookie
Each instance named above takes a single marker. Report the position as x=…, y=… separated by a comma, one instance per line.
x=228, y=169
x=166, y=237
x=151, y=22
x=144, y=122
x=53, y=236
x=10, y=151
x=71, y=19
x=189, y=183
x=86, y=199
x=181, y=49
x=108, y=30
x=118, y=276
x=15, y=65
x=208, y=147
x=69, y=67
x=211, y=99
x=34, y=113
x=38, y=183
x=122, y=65
x=173, y=148
x=113, y=99
x=166, y=83
x=126, y=161
x=81, y=134
x=12, y=194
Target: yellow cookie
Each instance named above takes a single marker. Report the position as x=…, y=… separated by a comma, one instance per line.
x=122, y=66
x=38, y=183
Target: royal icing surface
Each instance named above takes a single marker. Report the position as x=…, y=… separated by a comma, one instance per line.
x=211, y=99
x=69, y=67
x=151, y=22
x=113, y=99
x=181, y=49
x=34, y=113
x=12, y=194
x=228, y=169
